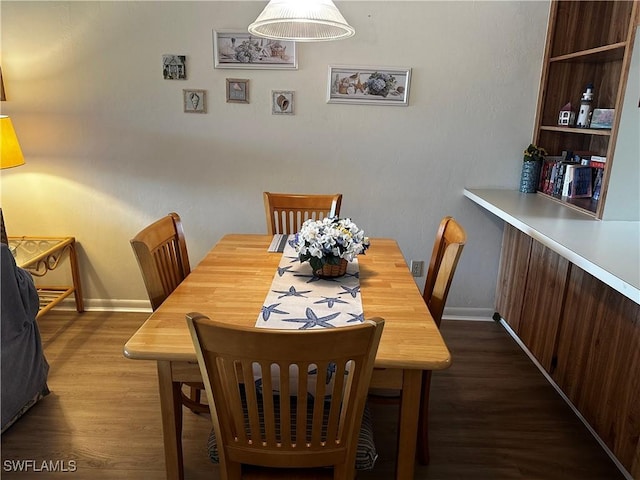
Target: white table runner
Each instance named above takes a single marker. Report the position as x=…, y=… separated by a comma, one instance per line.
x=298, y=299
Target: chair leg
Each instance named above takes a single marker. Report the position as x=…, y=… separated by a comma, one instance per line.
x=422, y=450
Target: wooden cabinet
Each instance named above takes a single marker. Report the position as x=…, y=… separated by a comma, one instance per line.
x=587, y=42
x=585, y=334
x=530, y=292
x=543, y=302
x=512, y=275
x=598, y=363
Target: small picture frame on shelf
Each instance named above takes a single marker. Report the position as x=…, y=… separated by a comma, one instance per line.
x=602, y=118
x=195, y=101
x=237, y=90
x=282, y=102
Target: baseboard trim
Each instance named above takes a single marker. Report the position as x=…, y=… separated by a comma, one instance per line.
x=107, y=305
x=473, y=314
x=524, y=348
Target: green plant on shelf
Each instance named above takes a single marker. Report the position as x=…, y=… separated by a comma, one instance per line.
x=533, y=153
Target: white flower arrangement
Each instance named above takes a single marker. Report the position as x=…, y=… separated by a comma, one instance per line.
x=329, y=240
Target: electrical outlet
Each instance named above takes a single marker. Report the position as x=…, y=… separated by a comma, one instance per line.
x=416, y=268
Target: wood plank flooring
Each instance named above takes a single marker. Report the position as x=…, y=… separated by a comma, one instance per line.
x=493, y=415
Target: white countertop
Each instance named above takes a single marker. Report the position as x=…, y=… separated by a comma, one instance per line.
x=608, y=250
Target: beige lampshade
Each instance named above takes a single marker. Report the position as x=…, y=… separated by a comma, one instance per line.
x=10, y=151
x=301, y=21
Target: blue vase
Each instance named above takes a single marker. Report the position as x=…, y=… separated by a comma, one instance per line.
x=530, y=176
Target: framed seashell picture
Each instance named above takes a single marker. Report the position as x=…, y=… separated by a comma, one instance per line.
x=282, y=102
x=369, y=85
x=237, y=90
x=195, y=101
x=238, y=49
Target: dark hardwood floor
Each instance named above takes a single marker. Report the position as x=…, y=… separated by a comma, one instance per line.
x=493, y=415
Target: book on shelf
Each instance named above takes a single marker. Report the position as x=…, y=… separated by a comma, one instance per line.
x=552, y=178
x=567, y=178
x=558, y=184
x=544, y=175
x=580, y=183
x=548, y=173
x=597, y=182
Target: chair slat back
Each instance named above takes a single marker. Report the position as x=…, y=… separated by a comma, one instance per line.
x=447, y=248
x=286, y=418
x=286, y=212
x=161, y=251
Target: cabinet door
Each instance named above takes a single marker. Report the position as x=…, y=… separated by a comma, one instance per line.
x=598, y=363
x=512, y=275
x=543, y=302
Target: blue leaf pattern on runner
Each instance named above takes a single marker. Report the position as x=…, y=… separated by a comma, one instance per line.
x=351, y=291
x=313, y=320
x=283, y=270
x=331, y=301
x=292, y=292
x=268, y=310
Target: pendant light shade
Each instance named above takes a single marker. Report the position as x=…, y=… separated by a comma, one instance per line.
x=301, y=21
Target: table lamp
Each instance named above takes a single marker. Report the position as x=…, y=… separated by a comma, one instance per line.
x=10, y=151
x=10, y=156
x=3, y=97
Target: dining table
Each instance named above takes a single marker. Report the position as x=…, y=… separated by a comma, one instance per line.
x=230, y=285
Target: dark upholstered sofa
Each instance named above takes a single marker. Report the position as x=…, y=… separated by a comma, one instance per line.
x=23, y=367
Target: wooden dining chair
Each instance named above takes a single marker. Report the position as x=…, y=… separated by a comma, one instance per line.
x=447, y=249
x=285, y=399
x=446, y=252
x=161, y=252
x=286, y=212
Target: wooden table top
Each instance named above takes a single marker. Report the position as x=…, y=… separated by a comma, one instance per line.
x=232, y=281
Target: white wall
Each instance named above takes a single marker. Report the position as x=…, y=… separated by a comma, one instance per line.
x=109, y=149
x=623, y=191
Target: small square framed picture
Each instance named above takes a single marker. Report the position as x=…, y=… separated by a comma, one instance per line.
x=237, y=90
x=602, y=118
x=282, y=102
x=174, y=67
x=195, y=101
